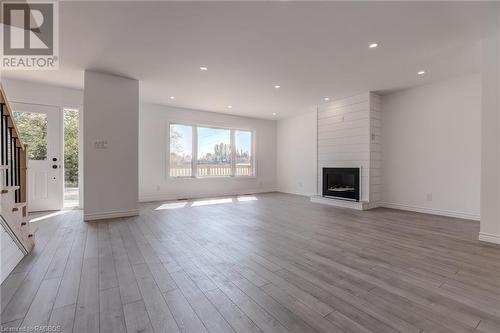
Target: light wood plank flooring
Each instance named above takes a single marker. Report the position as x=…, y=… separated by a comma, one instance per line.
x=269, y=263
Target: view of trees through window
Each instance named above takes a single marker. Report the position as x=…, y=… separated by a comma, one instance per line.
x=214, y=153
x=32, y=128
x=243, y=152
x=71, y=147
x=71, y=192
x=181, y=147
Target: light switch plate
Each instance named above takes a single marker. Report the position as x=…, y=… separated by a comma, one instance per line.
x=101, y=144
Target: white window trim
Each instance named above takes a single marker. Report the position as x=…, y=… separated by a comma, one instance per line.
x=194, y=150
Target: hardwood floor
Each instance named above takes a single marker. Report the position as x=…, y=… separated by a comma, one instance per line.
x=271, y=263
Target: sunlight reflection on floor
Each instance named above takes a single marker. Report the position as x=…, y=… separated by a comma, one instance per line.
x=211, y=202
x=205, y=202
x=247, y=198
x=48, y=215
x=172, y=205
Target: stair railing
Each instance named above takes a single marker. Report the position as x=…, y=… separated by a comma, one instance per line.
x=13, y=151
x=14, y=161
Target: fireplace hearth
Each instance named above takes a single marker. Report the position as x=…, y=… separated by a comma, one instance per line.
x=341, y=183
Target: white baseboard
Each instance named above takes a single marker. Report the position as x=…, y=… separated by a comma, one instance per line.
x=449, y=213
x=490, y=238
x=168, y=197
x=110, y=215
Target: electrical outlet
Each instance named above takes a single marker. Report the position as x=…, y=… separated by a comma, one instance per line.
x=158, y=187
x=429, y=196
x=300, y=184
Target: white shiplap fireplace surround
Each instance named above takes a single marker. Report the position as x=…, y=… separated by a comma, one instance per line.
x=349, y=133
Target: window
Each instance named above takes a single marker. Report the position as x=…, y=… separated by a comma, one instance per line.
x=71, y=143
x=243, y=144
x=214, y=152
x=219, y=152
x=33, y=131
x=181, y=150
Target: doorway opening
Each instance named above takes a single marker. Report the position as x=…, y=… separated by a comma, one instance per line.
x=54, y=156
x=39, y=126
x=71, y=158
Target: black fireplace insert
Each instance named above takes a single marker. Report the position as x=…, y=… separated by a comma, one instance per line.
x=341, y=183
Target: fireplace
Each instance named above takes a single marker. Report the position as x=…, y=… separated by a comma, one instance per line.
x=341, y=183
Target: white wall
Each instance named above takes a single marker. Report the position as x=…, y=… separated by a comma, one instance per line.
x=296, y=159
x=36, y=93
x=154, y=183
x=110, y=175
x=376, y=150
x=431, y=146
x=490, y=180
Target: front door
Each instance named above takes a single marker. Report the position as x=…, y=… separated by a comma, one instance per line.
x=40, y=128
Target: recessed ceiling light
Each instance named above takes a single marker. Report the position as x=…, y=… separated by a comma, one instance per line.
x=326, y=98
x=203, y=68
x=172, y=97
x=373, y=45
x=421, y=72
x=229, y=106
x=274, y=113
x=277, y=86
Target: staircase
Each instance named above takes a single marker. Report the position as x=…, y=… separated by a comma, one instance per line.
x=16, y=238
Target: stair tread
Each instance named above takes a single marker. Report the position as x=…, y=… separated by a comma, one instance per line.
x=9, y=188
x=20, y=204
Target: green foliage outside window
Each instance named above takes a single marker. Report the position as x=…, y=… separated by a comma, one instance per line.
x=71, y=148
x=32, y=128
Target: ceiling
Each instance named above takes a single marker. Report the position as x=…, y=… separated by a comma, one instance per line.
x=311, y=49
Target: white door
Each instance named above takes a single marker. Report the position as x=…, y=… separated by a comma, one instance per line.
x=40, y=128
